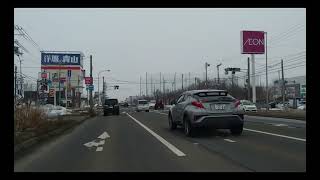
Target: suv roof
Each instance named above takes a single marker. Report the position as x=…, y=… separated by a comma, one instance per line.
x=203, y=90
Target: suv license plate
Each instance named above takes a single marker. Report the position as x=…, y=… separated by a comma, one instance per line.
x=219, y=106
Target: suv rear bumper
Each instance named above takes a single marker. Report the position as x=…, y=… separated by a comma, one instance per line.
x=219, y=121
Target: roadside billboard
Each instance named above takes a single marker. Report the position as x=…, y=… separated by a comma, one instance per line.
x=60, y=59
x=252, y=42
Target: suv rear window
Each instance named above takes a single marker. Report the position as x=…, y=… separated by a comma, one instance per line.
x=142, y=102
x=214, y=97
x=111, y=102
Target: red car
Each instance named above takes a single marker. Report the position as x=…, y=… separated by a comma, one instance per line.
x=158, y=105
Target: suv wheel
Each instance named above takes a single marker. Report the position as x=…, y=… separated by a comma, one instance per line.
x=172, y=125
x=188, y=130
x=237, y=130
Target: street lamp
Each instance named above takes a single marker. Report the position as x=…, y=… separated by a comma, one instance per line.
x=99, y=84
x=218, y=72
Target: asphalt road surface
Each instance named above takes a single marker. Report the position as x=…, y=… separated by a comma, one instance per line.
x=142, y=142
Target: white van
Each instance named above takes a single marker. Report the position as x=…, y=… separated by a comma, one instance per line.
x=142, y=105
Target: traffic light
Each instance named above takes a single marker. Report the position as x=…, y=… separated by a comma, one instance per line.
x=116, y=87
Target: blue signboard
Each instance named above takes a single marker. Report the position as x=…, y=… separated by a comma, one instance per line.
x=60, y=59
x=91, y=87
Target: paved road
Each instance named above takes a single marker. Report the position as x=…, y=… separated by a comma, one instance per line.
x=142, y=142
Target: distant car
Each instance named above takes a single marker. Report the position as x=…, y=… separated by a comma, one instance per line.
x=206, y=108
x=272, y=104
x=302, y=105
x=151, y=105
x=246, y=106
x=158, y=105
x=280, y=105
x=111, y=106
x=142, y=105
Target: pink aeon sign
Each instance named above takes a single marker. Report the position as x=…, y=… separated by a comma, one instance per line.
x=252, y=42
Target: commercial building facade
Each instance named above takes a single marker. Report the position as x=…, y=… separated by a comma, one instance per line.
x=66, y=68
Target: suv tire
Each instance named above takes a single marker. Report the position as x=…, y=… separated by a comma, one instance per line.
x=172, y=125
x=188, y=130
x=237, y=130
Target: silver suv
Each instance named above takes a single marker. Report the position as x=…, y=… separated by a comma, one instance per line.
x=209, y=108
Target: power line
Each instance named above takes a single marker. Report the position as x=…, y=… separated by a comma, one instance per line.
x=285, y=33
x=284, y=38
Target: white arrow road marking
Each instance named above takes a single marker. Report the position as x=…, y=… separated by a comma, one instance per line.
x=89, y=144
x=99, y=149
x=92, y=143
x=163, y=141
x=104, y=135
x=229, y=140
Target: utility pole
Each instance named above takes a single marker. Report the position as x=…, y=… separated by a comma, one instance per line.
x=195, y=82
x=15, y=84
x=182, y=81
x=164, y=90
x=253, y=79
x=91, y=100
x=59, y=83
x=151, y=85
x=175, y=87
x=189, y=81
x=140, y=86
x=20, y=75
x=248, y=78
x=146, y=84
x=206, y=64
x=283, y=84
x=79, y=97
x=267, y=72
x=103, y=89
x=160, y=83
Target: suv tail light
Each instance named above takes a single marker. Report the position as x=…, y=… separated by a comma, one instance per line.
x=237, y=103
x=198, y=104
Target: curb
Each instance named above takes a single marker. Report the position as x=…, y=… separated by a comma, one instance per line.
x=31, y=142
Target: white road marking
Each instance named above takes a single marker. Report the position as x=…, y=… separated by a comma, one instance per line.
x=280, y=125
x=99, y=149
x=279, y=135
x=101, y=142
x=229, y=140
x=92, y=143
x=104, y=135
x=161, y=113
x=163, y=141
x=89, y=144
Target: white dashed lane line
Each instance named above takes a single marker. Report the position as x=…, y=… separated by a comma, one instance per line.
x=163, y=141
x=229, y=140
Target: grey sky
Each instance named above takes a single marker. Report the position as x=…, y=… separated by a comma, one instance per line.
x=132, y=42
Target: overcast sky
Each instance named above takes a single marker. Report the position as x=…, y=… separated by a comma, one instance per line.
x=131, y=42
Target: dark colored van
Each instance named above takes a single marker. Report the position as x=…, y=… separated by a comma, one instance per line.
x=111, y=106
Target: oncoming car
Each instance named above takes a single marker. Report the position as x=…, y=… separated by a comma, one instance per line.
x=246, y=105
x=143, y=105
x=206, y=108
